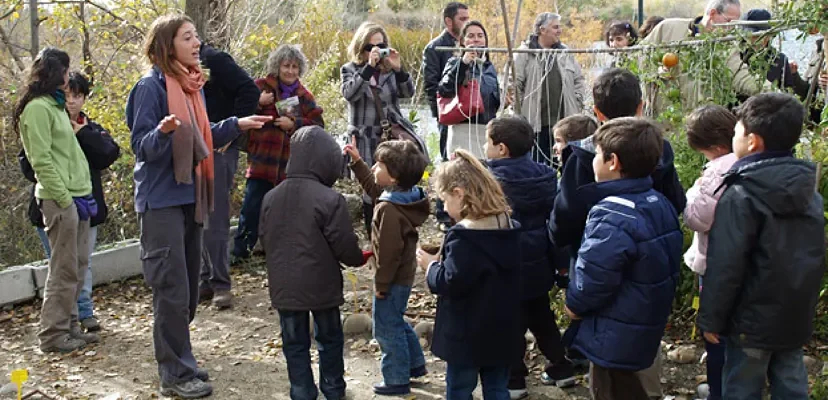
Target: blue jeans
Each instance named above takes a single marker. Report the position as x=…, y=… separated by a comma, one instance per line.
x=248, y=232
x=296, y=345
x=401, y=351
x=715, y=364
x=461, y=380
x=85, y=306
x=746, y=369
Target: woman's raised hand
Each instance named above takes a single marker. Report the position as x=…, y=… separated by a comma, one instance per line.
x=469, y=57
x=393, y=60
x=169, y=124
x=254, y=122
x=266, y=98
x=374, y=57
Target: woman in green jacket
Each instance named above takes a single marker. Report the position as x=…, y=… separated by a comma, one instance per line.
x=64, y=195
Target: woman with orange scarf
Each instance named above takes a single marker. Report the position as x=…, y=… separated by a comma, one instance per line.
x=173, y=139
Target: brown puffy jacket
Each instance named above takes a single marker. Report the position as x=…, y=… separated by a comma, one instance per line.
x=305, y=227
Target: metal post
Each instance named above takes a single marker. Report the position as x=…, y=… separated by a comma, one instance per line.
x=509, y=47
x=640, y=13
x=34, y=22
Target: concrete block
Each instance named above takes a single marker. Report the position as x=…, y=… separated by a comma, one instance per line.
x=119, y=262
x=16, y=285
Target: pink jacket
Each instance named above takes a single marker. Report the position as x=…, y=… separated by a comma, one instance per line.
x=701, y=206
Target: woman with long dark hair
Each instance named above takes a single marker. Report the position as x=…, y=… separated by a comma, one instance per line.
x=173, y=142
x=63, y=193
x=471, y=134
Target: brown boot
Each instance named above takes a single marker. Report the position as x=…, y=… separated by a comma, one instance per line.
x=223, y=300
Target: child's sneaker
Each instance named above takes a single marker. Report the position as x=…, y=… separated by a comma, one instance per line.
x=561, y=375
x=384, y=389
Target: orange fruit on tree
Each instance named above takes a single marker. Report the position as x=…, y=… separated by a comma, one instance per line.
x=670, y=60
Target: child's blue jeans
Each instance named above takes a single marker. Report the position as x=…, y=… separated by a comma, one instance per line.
x=746, y=370
x=401, y=351
x=461, y=380
x=330, y=342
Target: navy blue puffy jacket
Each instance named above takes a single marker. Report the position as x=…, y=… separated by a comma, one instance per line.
x=625, y=276
x=530, y=188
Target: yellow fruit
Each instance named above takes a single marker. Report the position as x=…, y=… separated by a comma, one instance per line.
x=670, y=60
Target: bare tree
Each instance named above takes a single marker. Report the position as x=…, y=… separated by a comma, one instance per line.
x=210, y=18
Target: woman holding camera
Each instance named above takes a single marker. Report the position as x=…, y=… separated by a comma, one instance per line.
x=471, y=65
x=372, y=83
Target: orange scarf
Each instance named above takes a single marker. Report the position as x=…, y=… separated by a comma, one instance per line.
x=193, y=140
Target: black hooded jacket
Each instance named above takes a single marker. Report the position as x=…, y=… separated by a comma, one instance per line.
x=766, y=255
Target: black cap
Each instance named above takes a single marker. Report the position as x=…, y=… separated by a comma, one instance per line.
x=757, y=15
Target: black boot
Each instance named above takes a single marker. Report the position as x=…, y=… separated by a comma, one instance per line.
x=367, y=217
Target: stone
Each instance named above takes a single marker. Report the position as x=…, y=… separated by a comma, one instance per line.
x=357, y=324
x=683, y=354
x=354, y=202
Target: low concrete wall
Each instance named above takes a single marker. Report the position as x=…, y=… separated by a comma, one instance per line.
x=120, y=261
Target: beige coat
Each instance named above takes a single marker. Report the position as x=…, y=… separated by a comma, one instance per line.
x=529, y=74
x=678, y=29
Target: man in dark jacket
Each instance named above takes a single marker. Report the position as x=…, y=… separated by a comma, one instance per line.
x=101, y=151
x=229, y=92
x=530, y=188
x=455, y=16
x=622, y=287
x=306, y=233
x=766, y=256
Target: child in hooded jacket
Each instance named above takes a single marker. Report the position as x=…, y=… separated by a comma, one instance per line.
x=530, y=189
x=401, y=207
x=477, y=280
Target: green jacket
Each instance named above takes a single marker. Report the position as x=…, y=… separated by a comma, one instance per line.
x=60, y=167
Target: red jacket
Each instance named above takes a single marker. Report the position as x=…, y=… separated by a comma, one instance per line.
x=268, y=148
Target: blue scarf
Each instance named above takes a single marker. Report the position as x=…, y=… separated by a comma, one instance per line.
x=60, y=97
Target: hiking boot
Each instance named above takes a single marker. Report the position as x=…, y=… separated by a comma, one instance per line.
x=91, y=324
x=391, y=390
x=561, y=375
x=192, y=389
x=418, y=372
x=88, y=338
x=223, y=299
x=66, y=344
x=205, y=294
x=202, y=374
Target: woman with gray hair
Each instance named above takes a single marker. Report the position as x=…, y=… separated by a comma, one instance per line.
x=550, y=86
x=268, y=149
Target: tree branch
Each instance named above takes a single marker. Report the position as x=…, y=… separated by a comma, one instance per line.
x=11, y=10
x=7, y=42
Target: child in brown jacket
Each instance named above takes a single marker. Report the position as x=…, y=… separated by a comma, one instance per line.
x=401, y=207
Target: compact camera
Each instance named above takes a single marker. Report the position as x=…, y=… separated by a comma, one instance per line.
x=384, y=53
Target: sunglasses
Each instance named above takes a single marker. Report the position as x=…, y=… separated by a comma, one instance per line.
x=368, y=47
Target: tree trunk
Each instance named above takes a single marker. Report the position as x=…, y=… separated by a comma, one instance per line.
x=210, y=18
x=34, y=24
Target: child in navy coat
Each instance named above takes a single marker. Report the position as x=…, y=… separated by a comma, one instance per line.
x=624, y=280
x=477, y=280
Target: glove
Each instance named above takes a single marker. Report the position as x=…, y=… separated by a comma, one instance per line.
x=82, y=207
x=366, y=255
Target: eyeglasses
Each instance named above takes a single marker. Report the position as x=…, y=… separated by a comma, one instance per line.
x=368, y=47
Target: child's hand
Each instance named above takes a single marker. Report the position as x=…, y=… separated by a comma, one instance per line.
x=711, y=337
x=351, y=150
x=379, y=295
x=424, y=259
x=571, y=314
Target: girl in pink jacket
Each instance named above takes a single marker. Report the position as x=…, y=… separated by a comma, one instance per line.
x=710, y=132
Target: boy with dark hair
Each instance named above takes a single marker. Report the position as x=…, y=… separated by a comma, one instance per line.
x=617, y=93
x=766, y=254
x=571, y=129
x=402, y=206
x=625, y=276
x=530, y=188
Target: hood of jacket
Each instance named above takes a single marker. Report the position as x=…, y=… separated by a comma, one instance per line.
x=491, y=242
x=528, y=185
x=412, y=204
x=585, y=149
x=531, y=42
x=762, y=180
x=314, y=155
